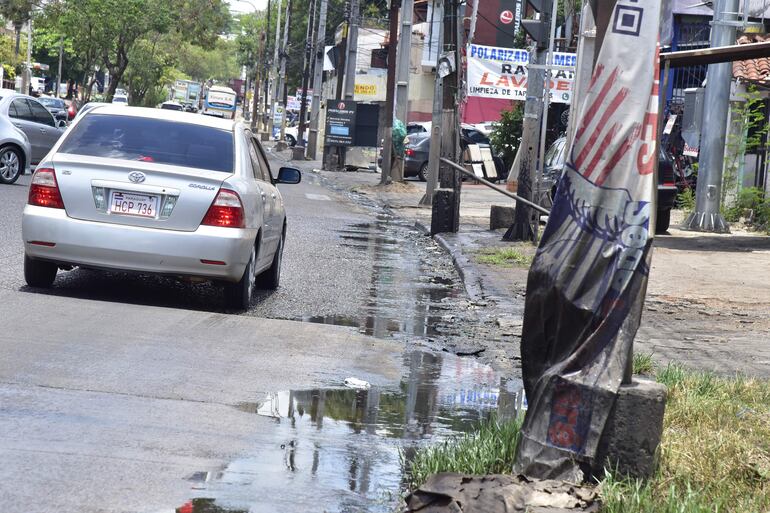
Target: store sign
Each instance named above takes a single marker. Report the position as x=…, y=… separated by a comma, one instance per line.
x=495, y=72
x=370, y=88
x=340, y=123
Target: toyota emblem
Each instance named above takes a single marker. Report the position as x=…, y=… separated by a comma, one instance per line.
x=136, y=177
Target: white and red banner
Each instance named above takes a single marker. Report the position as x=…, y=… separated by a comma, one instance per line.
x=501, y=73
x=588, y=281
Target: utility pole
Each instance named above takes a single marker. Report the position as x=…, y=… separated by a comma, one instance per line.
x=299, y=149
x=402, y=74
x=708, y=193
x=61, y=57
x=265, y=75
x=282, y=92
x=475, y=15
x=446, y=202
x=315, y=106
x=27, y=76
x=350, y=61
x=525, y=217
x=387, y=145
x=435, y=135
x=273, y=94
x=255, y=103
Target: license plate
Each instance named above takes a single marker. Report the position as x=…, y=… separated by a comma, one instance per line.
x=131, y=204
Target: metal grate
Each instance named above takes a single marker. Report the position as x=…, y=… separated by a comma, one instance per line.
x=690, y=33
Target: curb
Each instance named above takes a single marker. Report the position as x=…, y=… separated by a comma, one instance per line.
x=464, y=267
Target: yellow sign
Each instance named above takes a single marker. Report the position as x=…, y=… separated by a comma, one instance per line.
x=366, y=89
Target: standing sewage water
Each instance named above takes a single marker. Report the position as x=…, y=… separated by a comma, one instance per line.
x=346, y=450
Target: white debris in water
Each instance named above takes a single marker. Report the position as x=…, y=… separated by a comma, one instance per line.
x=357, y=384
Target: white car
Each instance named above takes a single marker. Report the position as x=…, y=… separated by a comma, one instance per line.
x=158, y=192
x=120, y=99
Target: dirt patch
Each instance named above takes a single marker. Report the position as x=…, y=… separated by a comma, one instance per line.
x=395, y=187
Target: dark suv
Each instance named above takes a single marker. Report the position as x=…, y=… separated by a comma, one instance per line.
x=554, y=164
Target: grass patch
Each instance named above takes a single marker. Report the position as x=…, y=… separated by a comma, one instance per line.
x=505, y=257
x=489, y=450
x=714, y=457
x=643, y=364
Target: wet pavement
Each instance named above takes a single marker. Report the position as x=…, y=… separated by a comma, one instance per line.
x=346, y=450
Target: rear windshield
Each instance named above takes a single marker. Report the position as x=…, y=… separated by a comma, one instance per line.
x=151, y=140
x=52, y=102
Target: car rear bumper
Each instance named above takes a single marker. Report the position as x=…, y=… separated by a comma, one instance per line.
x=138, y=249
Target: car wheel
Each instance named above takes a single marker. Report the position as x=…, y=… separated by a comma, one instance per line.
x=238, y=295
x=271, y=278
x=38, y=273
x=663, y=221
x=10, y=165
x=290, y=140
x=423, y=172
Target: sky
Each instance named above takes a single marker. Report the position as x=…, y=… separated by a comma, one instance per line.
x=246, y=6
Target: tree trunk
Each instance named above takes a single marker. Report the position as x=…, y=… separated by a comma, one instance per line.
x=18, y=43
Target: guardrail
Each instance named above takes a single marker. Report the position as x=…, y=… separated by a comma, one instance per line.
x=495, y=187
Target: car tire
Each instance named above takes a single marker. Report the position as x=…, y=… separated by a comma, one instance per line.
x=39, y=273
x=423, y=172
x=271, y=279
x=11, y=164
x=663, y=221
x=238, y=295
x=290, y=140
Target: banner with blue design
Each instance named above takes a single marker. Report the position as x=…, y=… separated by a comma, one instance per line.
x=586, y=287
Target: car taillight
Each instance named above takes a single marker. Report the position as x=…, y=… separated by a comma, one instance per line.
x=44, y=191
x=227, y=210
x=409, y=152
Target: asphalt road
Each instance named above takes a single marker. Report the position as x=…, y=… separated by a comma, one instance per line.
x=115, y=388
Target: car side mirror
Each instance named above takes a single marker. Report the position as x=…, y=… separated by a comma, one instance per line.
x=289, y=175
x=61, y=123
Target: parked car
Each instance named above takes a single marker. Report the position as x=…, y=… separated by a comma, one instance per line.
x=15, y=151
x=172, y=105
x=29, y=115
x=55, y=106
x=120, y=99
x=556, y=156
x=198, y=202
x=418, y=149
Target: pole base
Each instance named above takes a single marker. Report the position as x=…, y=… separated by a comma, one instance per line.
x=298, y=153
x=280, y=146
x=706, y=222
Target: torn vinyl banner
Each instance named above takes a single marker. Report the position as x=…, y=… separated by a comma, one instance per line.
x=587, y=284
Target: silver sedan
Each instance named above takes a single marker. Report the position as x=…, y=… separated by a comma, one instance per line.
x=15, y=151
x=158, y=192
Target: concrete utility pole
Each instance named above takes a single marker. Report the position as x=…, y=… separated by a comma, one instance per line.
x=26, y=78
x=522, y=228
x=255, y=102
x=402, y=74
x=282, y=92
x=273, y=94
x=474, y=16
x=708, y=193
x=445, y=216
x=299, y=149
x=315, y=106
x=350, y=62
x=61, y=58
x=435, y=133
x=387, y=145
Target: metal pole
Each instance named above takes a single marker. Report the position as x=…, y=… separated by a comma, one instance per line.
x=273, y=96
x=544, y=119
x=387, y=145
x=61, y=57
x=402, y=74
x=435, y=136
x=27, y=78
x=475, y=15
x=707, y=216
x=351, y=62
x=315, y=107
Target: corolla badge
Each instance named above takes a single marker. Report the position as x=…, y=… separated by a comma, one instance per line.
x=136, y=176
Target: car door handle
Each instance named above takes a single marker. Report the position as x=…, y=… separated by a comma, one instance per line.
x=272, y=196
x=17, y=125
x=42, y=130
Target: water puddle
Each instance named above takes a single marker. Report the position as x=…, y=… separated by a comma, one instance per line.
x=344, y=450
x=410, y=292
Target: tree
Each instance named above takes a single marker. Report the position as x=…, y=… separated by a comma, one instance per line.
x=17, y=12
